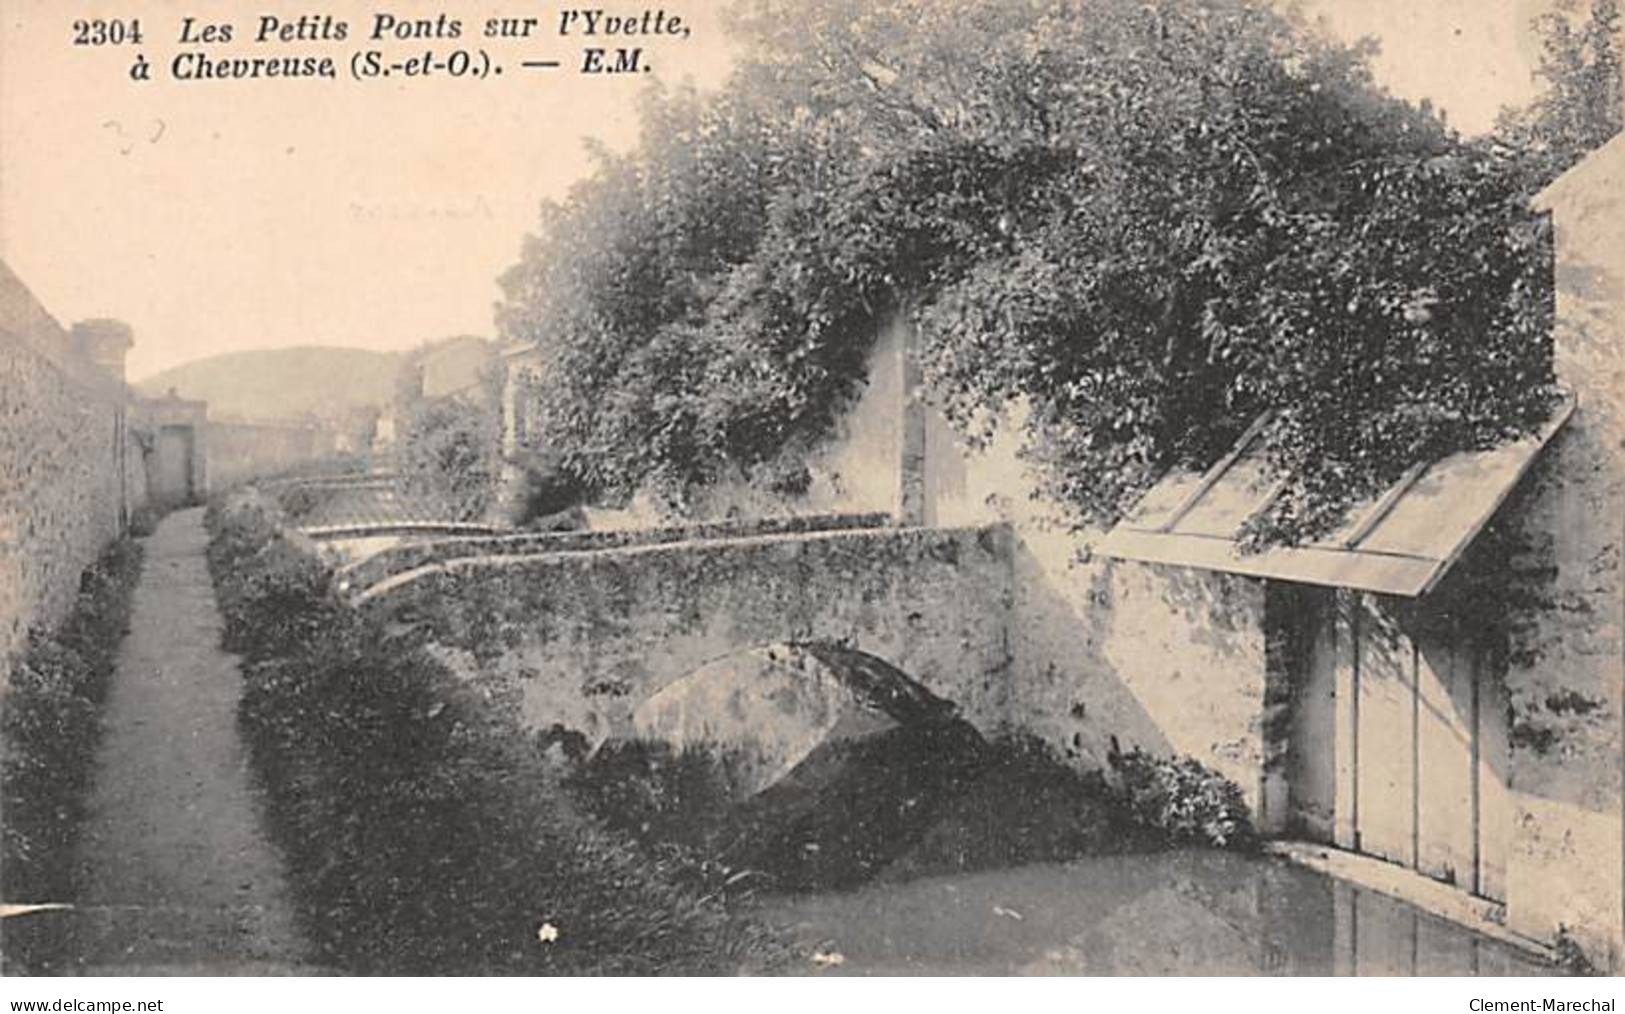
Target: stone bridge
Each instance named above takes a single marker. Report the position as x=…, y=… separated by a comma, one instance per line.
x=623, y=621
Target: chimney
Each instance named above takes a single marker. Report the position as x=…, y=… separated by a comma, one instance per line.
x=104, y=343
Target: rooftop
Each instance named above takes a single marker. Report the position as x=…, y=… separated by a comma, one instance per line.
x=1399, y=543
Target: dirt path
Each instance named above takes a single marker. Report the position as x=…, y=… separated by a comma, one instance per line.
x=179, y=874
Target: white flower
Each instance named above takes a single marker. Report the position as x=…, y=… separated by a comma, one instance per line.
x=548, y=933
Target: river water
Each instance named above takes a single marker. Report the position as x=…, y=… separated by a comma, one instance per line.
x=1183, y=912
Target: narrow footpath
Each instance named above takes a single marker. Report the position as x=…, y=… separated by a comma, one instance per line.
x=179, y=875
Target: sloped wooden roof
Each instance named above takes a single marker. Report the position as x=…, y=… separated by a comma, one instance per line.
x=1399, y=543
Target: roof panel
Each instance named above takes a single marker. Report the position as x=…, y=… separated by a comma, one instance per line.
x=1246, y=486
x=1399, y=543
x=1451, y=501
x=1161, y=502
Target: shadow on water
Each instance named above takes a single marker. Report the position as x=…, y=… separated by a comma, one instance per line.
x=915, y=800
x=1180, y=912
x=1002, y=861
x=923, y=851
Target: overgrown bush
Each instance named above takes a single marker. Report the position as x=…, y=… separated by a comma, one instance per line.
x=447, y=453
x=655, y=793
x=298, y=502
x=423, y=830
x=1151, y=223
x=915, y=802
x=676, y=805
x=51, y=729
x=275, y=596
x=1183, y=799
x=843, y=815
x=144, y=521
x=550, y=488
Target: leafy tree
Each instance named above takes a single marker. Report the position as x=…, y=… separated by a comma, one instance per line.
x=448, y=456
x=619, y=276
x=1149, y=222
x=1581, y=107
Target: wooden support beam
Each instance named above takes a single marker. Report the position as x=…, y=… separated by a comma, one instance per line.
x=1384, y=505
x=1211, y=477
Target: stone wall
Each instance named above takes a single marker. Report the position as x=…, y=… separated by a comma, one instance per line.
x=1567, y=664
x=239, y=452
x=1112, y=655
x=1103, y=652
x=622, y=623
x=70, y=466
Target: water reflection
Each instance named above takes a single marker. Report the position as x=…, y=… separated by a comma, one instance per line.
x=1169, y=913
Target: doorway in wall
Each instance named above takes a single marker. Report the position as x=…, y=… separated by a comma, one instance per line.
x=1397, y=741
x=176, y=447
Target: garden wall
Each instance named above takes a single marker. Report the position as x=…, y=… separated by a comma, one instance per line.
x=622, y=623
x=70, y=465
x=1566, y=676
x=239, y=452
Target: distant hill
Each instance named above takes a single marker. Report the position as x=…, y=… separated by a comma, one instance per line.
x=282, y=383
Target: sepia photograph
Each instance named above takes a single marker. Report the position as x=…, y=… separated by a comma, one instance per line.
x=812, y=488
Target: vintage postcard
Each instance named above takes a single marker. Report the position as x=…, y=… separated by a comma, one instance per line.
x=813, y=488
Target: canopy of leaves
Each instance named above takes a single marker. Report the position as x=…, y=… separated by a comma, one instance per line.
x=1149, y=222
x=447, y=455
x=1581, y=105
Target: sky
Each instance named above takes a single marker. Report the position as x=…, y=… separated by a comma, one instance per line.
x=231, y=215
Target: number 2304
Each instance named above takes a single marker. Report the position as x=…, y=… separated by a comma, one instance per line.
x=106, y=33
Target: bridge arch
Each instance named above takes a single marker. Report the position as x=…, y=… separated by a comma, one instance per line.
x=625, y=622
